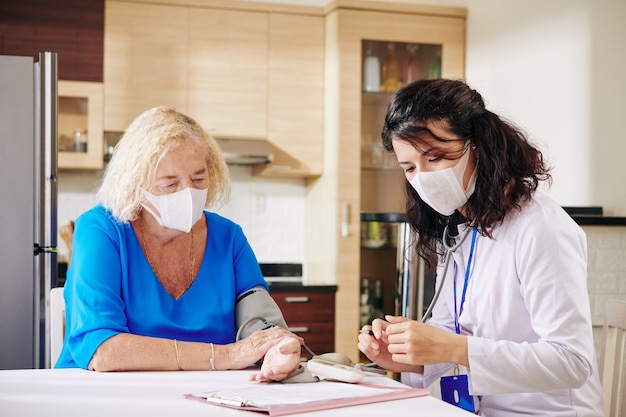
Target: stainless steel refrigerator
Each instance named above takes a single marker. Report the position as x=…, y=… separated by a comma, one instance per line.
x=394, y=279
x=28, y=214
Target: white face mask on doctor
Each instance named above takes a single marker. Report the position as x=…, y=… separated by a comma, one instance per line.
x=179, y=210
x=443, y=190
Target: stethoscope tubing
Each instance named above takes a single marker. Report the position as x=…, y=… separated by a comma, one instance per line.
x=449, y=250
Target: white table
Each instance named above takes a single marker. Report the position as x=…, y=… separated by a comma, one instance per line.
x=76, y=392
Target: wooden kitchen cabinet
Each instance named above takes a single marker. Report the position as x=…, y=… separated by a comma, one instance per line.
x=227, y=61
x=295, y=95
x=335, y=201
x=242, y=69
x=80, y=110
x=146, y=60
x=309, y=312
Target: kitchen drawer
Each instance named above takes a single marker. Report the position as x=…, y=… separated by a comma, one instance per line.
x=310, y=313
x=303, y=306
x=319, y=337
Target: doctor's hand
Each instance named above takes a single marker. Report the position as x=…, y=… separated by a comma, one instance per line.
x=375, y=347
x=415, y=343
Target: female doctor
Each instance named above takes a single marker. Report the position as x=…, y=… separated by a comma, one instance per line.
x=512, y=304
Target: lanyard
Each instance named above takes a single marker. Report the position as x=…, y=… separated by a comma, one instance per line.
x=457, y=313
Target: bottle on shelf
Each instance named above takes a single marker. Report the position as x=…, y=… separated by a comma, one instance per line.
x=391, y=70
x=366, y=307
x=371, y=72
x=434, y=69
x=411, y=65
x=378, y=300
x=371, y=302
x=80, y=140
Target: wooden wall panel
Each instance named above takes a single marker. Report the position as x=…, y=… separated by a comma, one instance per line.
x=72, y=28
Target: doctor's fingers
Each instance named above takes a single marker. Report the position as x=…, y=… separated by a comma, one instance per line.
x=379, y=327
x=368, y=344
x=368, y=349
x=408, y=337
x=404, y=328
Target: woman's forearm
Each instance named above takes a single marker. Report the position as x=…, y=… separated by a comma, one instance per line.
x=128, y=352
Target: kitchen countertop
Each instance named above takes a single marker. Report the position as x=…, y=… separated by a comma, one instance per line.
x=291, y=286
x=584, y=216
x=599, y=220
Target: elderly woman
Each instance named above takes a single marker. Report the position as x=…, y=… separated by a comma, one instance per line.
x=155, y=279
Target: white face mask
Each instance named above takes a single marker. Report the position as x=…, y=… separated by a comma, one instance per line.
x=180, y=210
x=443, y=190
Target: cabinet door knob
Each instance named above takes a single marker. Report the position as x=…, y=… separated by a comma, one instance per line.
x=302, y=299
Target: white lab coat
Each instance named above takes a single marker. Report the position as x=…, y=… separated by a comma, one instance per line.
x=527, y=317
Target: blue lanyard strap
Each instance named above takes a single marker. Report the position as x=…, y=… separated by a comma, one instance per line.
x=457, y=313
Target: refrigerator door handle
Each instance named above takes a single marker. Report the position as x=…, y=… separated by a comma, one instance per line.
x=46, y=150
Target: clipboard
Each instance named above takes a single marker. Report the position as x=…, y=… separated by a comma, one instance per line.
x=276, y=399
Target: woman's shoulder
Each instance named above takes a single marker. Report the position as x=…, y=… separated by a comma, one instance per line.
x=218, y=221
x=98, y=216
x=540, y=213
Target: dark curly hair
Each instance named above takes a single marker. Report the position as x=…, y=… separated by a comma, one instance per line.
x=509, y=166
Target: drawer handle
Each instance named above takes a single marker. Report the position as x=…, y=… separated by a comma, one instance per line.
x=302, y=329
x=303, y=299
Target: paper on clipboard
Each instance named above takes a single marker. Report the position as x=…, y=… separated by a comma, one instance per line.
x=275, y=399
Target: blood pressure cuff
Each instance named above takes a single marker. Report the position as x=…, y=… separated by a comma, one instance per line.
x=256, y=310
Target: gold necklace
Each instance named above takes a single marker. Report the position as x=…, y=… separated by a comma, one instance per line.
x=192, y=259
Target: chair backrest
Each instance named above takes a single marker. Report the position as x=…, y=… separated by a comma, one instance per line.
x=613, y=375
x=57, y=323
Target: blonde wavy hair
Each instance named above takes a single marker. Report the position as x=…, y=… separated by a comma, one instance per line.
x=135, y=159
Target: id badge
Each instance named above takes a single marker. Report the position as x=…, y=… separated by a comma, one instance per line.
x=455, y=391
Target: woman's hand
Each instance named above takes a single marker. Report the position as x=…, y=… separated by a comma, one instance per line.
x=254, y=347
x=403, y=345
x=415, y=343
x=376, y=346
x=280, y=361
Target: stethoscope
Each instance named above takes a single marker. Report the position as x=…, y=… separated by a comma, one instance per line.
x=449, y=250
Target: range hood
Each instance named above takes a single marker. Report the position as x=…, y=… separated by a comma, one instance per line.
x=246, y=151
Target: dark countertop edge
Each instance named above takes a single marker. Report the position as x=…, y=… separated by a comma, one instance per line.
x=599, y=221
x=581, y=219
x=290, y=286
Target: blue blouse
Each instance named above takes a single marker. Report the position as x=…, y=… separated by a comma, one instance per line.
x=111, y=288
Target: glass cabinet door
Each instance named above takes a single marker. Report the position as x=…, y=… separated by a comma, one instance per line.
x=387, y=66
x=393, y=280
x=81, y=136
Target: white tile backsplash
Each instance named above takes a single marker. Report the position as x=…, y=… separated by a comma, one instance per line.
x=606, y=269
x=270, y=211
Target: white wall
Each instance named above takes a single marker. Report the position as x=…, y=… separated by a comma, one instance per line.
x=557, y=69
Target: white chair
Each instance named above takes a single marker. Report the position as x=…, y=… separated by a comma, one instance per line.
x=613, y=385
x=57, y=323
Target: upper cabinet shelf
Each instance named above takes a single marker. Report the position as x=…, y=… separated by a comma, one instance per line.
x=81, y=143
